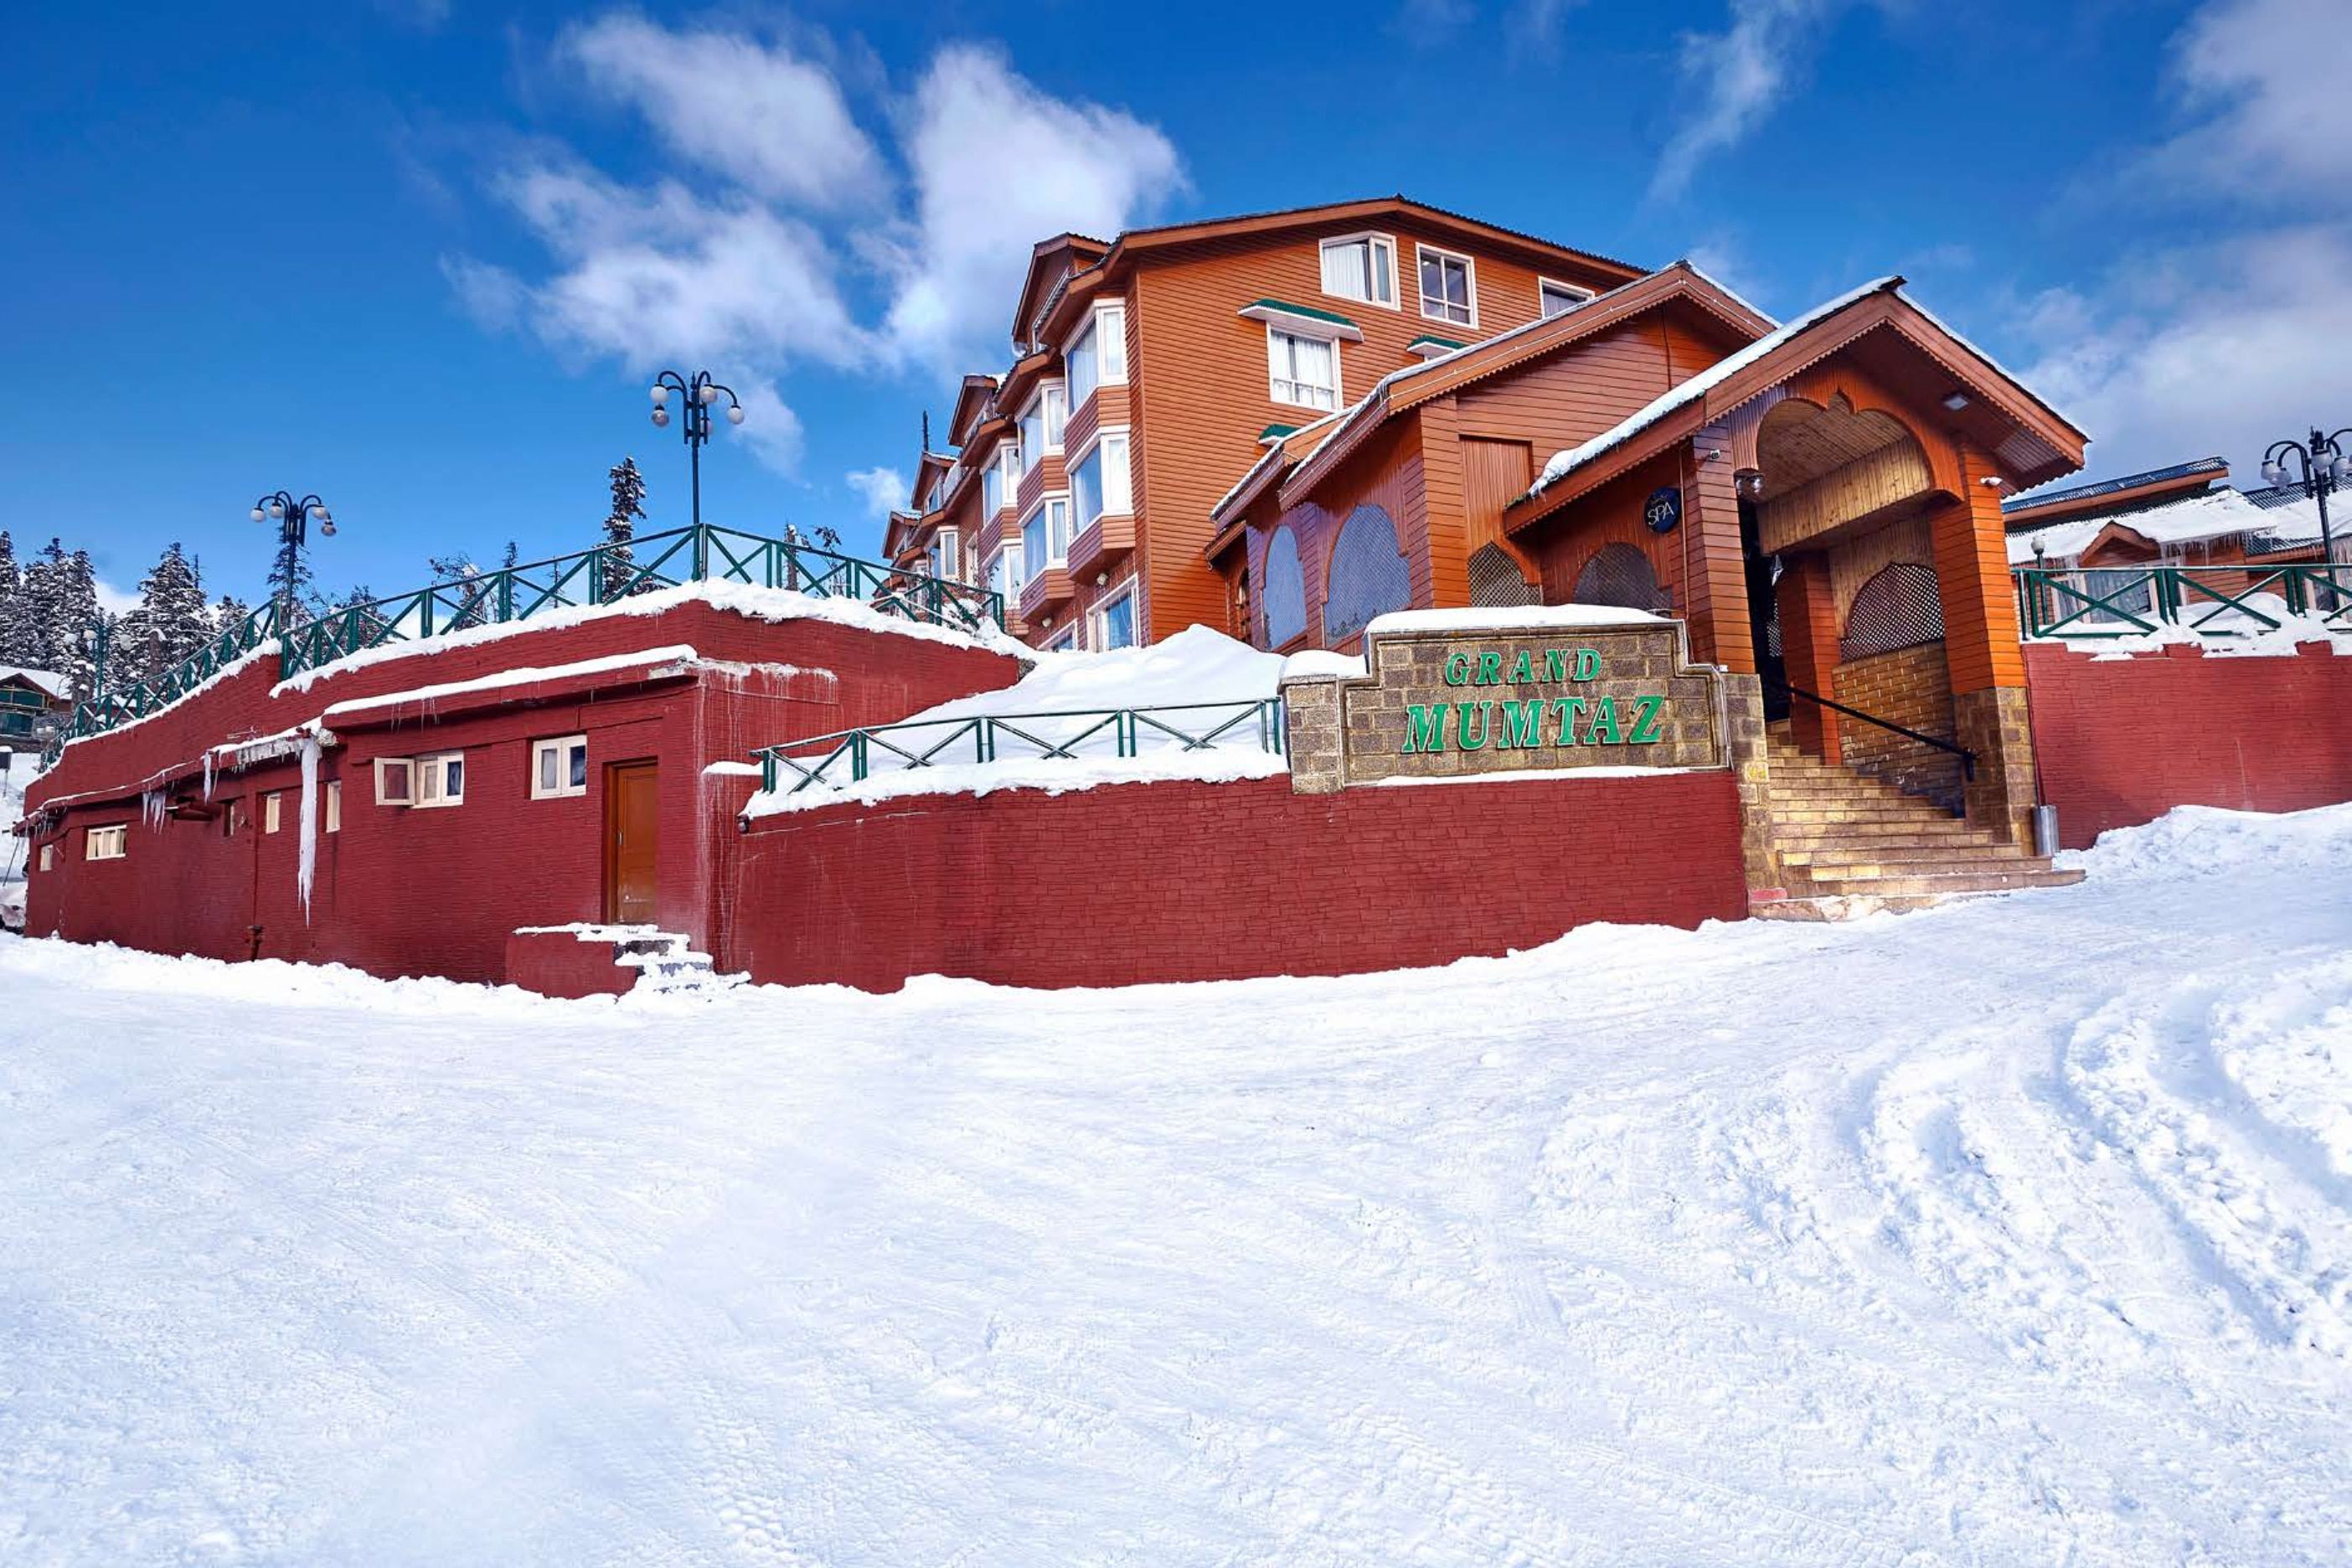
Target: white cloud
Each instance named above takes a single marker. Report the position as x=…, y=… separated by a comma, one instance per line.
x=779, y=241
x=2278, y=119
x=1073, y=165
x=755, y=112
x=115, y=601
x=1743, y=72
x=883, y=490
x=2231, y=343
x=2222, y=349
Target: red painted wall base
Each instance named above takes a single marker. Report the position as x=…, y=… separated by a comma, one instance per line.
x=1124, y=884
x=2120, y=741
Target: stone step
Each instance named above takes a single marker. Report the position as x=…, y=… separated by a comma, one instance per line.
x=1940, y=852
x=1980, y=880
x=1813, y=835
x=1926, y=819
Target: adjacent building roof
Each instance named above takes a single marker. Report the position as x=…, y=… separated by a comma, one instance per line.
x=48, y=682
x=2106, y=496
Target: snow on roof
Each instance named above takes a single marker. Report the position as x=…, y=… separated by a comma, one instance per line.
x=679, y=655
x=741, y=598
x=1566, y=462
x=1197, y=667
x=1510, y=617
x=2209, y=514
x=49, y=680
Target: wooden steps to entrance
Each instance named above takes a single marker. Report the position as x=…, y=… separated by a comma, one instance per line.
x=1850, y=844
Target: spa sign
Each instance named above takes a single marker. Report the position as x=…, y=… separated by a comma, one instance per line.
x=1533, y=690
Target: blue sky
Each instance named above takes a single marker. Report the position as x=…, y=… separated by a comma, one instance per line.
x=420, y=255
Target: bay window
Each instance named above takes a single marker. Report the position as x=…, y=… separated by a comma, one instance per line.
x=1099, y=483
x=1361, y=266
x=1046, y=540
x=947, y=555
x=1009, y=460
x=1006, y=573
x=991, y=489
x=1097, y=355
x=1302, y=370
x=1040, y=423
x=1447, y=291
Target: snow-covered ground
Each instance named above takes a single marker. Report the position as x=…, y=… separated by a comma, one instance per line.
x=2019, y=1231
x=13, y=848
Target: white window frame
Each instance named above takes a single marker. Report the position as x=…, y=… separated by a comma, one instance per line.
x=334, y=805
x=407, y=796
x=1044, y=415
x=431, y=780
x=111, y=842
x=273, y=810
x=1577, y=294
x=1055, y=396
x=1469, y=280
x=1099, y=617
x=560, y=748
x=1064, y=641
x=1377, y=242
x=1009, y=459
x=49, y=857
x=1106, y=324
x=1103, y=439
x=947, y=555
x=1276, y=381
x=991, y=488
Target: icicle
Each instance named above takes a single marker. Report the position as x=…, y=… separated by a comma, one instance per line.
x=208, y=774
x=308, y=865
x=152, y=803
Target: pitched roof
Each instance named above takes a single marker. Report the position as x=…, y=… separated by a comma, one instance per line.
x=2044, y=442
x=2175, y=519
x=2110, y=495
x=49, y=682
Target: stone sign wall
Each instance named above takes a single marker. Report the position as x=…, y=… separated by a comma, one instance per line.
x=1466, y=693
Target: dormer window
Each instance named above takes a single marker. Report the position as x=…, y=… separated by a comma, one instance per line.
x=1361, y=266
x=1558, y=299
x=1097, y=355
x=1449, y=289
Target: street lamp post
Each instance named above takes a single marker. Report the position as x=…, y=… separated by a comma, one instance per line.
x=293, y=519
x=701, y=395
x=2321, y=466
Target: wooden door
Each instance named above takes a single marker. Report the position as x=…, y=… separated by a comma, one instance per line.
x=631, y=835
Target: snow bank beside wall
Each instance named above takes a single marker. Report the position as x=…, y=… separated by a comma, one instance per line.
x=2120, y=741
x=1128, y=883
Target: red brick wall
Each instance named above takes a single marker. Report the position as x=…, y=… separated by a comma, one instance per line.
x=438, y=891
x=2122, y=741
x=1212, y=881
x=558, y=963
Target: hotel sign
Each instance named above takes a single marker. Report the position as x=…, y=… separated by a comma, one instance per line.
x=1444, y=696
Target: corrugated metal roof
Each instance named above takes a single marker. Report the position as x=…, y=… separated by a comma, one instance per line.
x=2109, y=487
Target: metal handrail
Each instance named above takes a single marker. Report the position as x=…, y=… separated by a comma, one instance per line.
x=2059, y=601
x=1967, y=758
x=603, y=574
x=985, y=732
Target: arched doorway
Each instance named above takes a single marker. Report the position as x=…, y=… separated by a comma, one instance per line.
x=1619, y=574
x=1368, y=575
x=1891, y=664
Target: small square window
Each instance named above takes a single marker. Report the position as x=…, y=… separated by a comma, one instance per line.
x=395, y=782
x=441, y=780
x=334, y=805
x=558, y=767
x=272, y=811
x=1361, y=266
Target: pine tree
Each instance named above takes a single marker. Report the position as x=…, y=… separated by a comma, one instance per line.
x=16, y=626
x=79, y=626
x=291, y=584
x=170, y=623
x=506, y=561
x=230, y=614
x=621, y=526
x=472, y=593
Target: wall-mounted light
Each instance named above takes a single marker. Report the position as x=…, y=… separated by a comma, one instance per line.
x=1956, y=401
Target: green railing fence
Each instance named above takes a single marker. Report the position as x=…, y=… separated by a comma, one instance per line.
x=852, y=756
x=2212, y=601
x=604, y=574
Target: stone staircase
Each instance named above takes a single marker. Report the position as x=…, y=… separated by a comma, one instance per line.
x=666, y=960
x=1849, y=844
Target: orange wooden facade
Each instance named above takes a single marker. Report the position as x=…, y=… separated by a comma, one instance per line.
x=1197, y=398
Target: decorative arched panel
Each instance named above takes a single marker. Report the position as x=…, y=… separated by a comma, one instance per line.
x=1495, y=579
x=1282, y=589
x=1368, y=575
x=1898, y=607
x=1622, y=575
